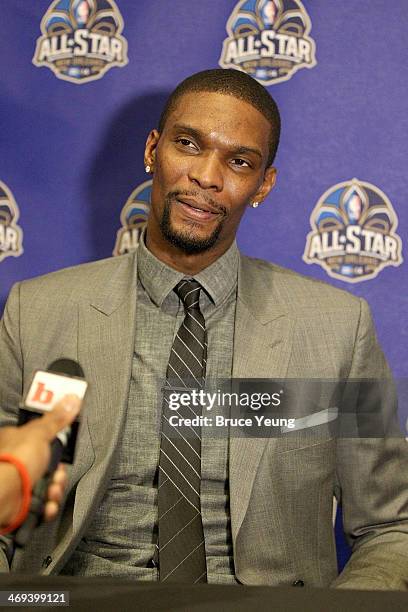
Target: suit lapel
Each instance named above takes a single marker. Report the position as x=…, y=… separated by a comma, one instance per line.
x=262, y=347
x=105, y=348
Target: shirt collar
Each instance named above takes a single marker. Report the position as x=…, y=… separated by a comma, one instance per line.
x=159, y=279
x=220, y=278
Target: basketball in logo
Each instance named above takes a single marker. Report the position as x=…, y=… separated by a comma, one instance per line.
x=133, y=218
x=81, y=39
x=269, y=40
x=353, y=233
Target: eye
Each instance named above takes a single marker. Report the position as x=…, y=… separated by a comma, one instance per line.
x=242, y=163
x=186, y=142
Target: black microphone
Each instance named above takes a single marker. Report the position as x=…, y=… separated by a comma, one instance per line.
x=62, y=377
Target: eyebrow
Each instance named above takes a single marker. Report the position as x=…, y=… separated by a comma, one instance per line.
x=237, y=149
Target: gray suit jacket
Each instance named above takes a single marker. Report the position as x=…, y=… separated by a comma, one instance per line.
x=281, y=489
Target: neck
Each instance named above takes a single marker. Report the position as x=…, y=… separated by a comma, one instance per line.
x=174, y=257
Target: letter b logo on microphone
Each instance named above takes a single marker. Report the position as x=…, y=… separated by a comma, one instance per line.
x=48, y=388
x=42, y=395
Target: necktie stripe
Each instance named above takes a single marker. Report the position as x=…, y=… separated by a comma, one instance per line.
x=195, y=338
x=189, y=293
x=181, y=474
x=199, y=578
x=171, y=508
x=197, y=334
x=185, y=440
x=189, y=349
x=162, y=484
x=178, y=375
x=185, y=559
x=185, y=365
x=180, y=531
x=198, y=322
x=182, y=455
x=181, y=493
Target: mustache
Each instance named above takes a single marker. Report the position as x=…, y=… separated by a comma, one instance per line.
x=199, y=196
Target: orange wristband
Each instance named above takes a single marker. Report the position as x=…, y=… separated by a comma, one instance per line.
x=26, y=492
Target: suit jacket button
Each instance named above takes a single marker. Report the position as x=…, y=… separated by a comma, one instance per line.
x=47, y=561
x=298, y=583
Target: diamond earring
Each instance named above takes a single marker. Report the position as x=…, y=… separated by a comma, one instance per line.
x=147, y=169
x=255, y=204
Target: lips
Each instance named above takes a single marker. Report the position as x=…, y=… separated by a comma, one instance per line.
x=197, y=205
x=196, y=210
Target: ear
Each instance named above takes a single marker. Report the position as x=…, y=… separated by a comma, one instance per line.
x=268, y=183
x=150, y=148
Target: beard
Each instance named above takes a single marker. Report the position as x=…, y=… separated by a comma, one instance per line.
x=185, y=240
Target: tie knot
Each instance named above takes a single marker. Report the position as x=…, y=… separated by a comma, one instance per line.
x=189, y=293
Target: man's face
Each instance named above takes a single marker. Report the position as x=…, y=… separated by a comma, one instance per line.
x=209, y=163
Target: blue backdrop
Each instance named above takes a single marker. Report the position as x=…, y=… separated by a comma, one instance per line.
x=72, y=150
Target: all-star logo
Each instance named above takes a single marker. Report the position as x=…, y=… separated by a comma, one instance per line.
x=11, y=235
x=133, y=218
x=269, y=40
x=353, y=233
x=81, y=39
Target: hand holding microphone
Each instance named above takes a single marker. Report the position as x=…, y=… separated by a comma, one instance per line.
x=30, y=445
x=49, y=389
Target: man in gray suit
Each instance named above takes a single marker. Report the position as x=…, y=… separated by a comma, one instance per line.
x=266, y=503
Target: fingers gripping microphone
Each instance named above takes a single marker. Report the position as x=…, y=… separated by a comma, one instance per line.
x=62, y=377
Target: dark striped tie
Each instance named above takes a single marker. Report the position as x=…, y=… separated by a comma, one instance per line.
x=181, y=540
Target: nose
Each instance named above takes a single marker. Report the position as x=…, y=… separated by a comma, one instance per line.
x=206, y=171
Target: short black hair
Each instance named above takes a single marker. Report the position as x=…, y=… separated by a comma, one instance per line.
x=232, y=83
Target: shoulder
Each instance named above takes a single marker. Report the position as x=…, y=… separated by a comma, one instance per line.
x=85, y=279
x=82, y=272
x=295, y=290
